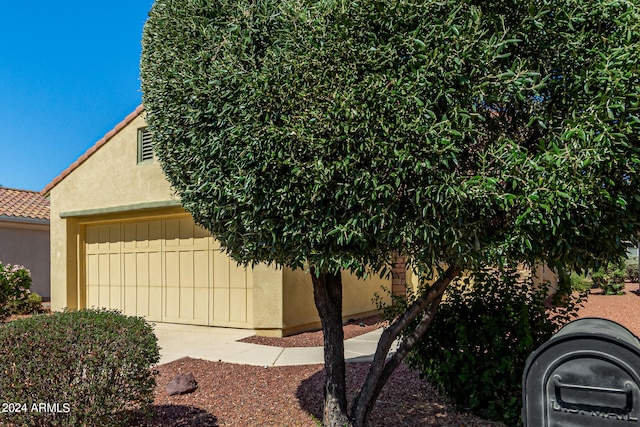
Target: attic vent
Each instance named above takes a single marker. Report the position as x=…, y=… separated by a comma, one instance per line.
x=145, y=149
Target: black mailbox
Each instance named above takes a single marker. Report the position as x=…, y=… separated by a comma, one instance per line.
x=587, y=374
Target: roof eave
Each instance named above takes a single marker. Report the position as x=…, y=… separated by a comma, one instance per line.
x=23, y=220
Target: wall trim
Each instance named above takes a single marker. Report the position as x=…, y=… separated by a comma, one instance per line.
x=121, y=209
x=20, y=222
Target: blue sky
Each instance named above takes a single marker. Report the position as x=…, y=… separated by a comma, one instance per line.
x=69, y=72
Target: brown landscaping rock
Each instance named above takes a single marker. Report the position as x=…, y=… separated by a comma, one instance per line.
x=182, y=384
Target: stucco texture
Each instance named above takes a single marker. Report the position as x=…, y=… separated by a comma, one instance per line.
x=27, y=245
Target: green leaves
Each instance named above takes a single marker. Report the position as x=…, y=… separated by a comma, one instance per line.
x=334, y=134
x=486, y=327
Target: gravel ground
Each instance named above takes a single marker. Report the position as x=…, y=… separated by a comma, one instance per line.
x=352, y=329
x=239, y=395
x=236, y=395
x=623, y=309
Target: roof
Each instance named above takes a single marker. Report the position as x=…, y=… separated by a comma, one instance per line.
x=23, y=204
x=102, y=141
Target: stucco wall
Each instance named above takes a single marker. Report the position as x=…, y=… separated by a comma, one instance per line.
x=109, y=178
x=112, y=177
x=110, y=186
x=299, y=308
x=27, y=245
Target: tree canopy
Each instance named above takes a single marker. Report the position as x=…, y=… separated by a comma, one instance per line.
x=334, y=133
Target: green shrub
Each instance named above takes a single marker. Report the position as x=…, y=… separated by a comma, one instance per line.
x=631, y=269
x=478, y=343
x=15, y=281
x=29, y=305
x=580, y=283
x=93, y=367
x=610, y=278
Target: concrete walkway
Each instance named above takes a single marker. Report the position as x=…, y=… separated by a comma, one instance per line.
x=220, y=344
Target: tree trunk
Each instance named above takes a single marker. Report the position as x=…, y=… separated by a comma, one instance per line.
x=381, y=369
x=327, y=294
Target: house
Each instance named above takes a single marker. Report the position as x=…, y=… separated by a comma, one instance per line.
x=121, y=240
x=24, y=235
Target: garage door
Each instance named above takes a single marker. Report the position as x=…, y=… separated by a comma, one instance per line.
x=166, y=270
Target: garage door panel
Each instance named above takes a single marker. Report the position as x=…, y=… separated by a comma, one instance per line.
x=185, y=231
x=92, y=270
x=171, y=307
x=214, y=244
x=155, y=304
x=172, y=269
x=200, y=233
x=115, y=298
x=237, y=305
x=130, y=235
x=220, y=270
x=93, y=296
x=103, y=297
x=92, y=239
x=103, y=269
x=201, y=305
x=109, y=237
x=130, y=282
x=201, y=277
x=142, y=301
x=186, y=304
x=172, y=233
x=130, y=304
x=155, y=234
x=130, y=268
x=186, y=269
x=142, y=268
x=155, y=269
x=237, y=276
x=114, y=269
x=104, y=237
x=220, y=313
x=165, y=270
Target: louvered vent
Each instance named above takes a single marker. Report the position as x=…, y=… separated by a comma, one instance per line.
x=145, y=149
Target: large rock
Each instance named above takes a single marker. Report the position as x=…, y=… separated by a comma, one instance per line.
x=182, y=384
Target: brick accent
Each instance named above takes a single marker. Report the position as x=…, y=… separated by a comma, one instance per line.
x=399, y=276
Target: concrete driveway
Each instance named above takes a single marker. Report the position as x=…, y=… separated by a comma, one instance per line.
x=221, y=344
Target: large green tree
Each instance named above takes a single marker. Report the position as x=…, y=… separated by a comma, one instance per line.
x=331, y=134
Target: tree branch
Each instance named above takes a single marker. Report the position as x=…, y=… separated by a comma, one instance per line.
x=381, y=369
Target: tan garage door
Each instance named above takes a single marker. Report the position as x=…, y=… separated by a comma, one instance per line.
x=166, y=270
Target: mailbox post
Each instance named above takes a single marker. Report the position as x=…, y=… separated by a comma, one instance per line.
x=587, y=374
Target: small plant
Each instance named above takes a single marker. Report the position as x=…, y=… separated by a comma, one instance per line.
x=610, y=278
x=631, y=269
x=30, y=305
x=92, y=367
x=15, y=281
x=486, y=327
x=579, y=282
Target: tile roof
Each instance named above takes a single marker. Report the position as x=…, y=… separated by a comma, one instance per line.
x=23, y=204
x=93, y=149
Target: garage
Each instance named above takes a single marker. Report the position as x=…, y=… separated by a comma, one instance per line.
x=165, y=269
x=120, y=239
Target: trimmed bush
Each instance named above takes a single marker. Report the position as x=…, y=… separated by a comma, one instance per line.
x=88, y=367
x=486, y=327
x=15, y=281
